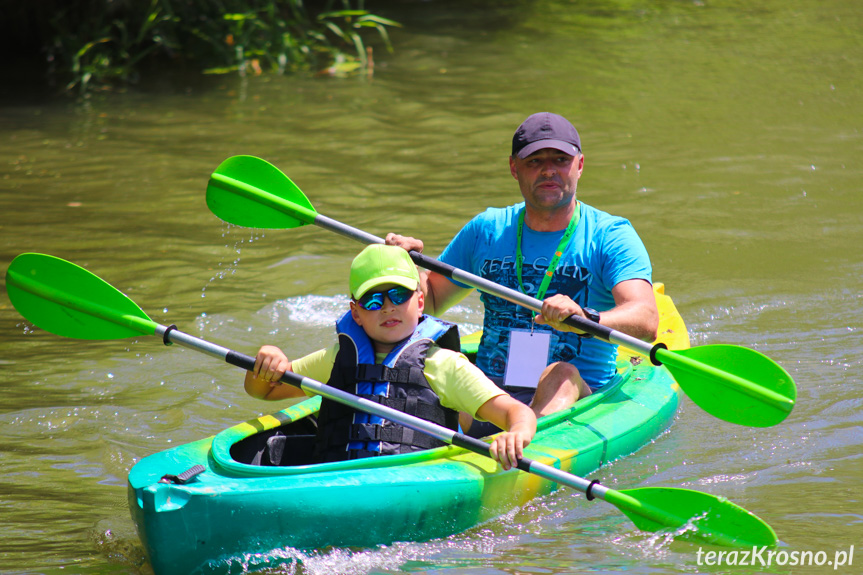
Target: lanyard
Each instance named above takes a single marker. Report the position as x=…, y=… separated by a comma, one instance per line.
x=519, y=257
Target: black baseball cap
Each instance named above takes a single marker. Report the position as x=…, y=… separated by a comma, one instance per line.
x=545, y=130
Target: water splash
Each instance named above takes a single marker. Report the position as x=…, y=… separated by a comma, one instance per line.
x=456, y=551
x=117, y=540
x=230, y=268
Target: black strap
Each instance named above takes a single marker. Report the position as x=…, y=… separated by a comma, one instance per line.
x=374, y=372
x=394, y=434
x=412, y=405
x=371, y=372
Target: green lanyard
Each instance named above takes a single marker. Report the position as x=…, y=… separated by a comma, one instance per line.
x=519, y=257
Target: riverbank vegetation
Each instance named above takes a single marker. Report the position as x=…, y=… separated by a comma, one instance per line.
x=90, y=45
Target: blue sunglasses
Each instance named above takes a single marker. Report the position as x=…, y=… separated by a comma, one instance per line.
x=372, y=301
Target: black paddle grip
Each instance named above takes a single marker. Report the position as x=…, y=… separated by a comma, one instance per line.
x=240, y=360
x=432, y=264
x=585, y=325
x=248, y=363
x=471, y=444
x=482, y=448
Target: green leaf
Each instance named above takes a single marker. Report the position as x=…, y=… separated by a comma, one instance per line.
x=342, y=14
x=379, y=20
x=337, y=31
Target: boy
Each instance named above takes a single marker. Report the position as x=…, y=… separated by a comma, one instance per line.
x=390, y=352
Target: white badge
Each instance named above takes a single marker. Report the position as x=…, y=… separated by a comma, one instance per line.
x=527, y=358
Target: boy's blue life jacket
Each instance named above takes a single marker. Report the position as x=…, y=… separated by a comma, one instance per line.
x=398, y=382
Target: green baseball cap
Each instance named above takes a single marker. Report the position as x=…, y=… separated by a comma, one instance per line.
x=380, y=264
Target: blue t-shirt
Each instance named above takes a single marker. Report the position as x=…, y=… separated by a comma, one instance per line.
x=604, y=251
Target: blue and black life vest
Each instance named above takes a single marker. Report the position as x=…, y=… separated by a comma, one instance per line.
x=398, y=382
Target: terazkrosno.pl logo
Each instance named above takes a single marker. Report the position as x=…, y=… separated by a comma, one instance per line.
x=766, y=556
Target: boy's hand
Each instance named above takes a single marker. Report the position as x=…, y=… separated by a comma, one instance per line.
x=508, y=447
x=518, y=422
x=271, y=364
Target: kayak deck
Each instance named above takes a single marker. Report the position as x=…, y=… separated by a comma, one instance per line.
x=234, y=507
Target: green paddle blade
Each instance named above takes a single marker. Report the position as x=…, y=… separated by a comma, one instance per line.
x=739, y=384
x=67, y=300
x=693, y=513
x=253, y=193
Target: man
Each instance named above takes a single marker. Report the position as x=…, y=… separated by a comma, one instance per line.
x=577, y=259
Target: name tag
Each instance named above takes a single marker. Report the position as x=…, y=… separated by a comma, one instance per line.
x=527, y=358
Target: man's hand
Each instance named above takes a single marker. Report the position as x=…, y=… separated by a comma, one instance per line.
x=556, y=309
x=406, y=242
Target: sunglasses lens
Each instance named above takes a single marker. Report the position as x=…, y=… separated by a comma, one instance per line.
x=399, y=295
x=375, y=301
x=372, y=301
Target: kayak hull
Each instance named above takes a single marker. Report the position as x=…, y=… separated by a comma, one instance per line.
x=234, y=512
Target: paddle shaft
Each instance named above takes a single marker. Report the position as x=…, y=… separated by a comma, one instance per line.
x=658, y=353
x=173, y=335
x=484, y=285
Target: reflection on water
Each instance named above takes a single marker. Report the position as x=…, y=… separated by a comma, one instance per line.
x=725, y=131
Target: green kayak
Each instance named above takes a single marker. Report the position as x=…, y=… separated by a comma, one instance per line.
x=201, y=507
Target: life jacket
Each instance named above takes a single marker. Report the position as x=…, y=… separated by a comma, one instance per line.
x=398, y=382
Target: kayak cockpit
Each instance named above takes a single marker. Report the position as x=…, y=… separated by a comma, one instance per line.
x=284, y=446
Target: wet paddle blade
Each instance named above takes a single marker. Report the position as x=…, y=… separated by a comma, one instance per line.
x=739, y=384
x=67, y=300
x=692, y=513
x=253, y=193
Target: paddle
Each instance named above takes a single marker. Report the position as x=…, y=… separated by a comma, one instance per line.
x=65, y=299
x=731, y=382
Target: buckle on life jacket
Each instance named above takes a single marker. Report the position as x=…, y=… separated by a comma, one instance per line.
x=372, y=372
x=376, y=372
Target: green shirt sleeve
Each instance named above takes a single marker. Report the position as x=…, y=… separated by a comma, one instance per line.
x=459, y=384
x=318, y=365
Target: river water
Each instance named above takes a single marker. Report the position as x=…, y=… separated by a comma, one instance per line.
x=728, y=132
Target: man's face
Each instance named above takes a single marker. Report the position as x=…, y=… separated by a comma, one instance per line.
x=547, y=178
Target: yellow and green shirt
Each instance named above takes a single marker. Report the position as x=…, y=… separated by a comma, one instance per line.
x=458, y=383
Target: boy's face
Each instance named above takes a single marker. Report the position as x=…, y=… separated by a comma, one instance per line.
x=391, y=323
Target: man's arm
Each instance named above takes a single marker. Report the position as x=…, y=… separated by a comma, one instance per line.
x=440, y=293
x=634, y=312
